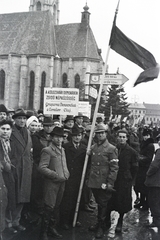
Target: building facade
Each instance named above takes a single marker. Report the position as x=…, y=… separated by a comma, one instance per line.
x=37, y=52
x=150, y=113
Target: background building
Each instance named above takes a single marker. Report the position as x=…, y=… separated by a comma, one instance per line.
x=37, y=52
x=150, y=113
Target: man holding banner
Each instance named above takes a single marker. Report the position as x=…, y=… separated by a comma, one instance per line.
x=102, y=175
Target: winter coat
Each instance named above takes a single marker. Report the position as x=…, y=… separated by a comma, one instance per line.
x=128, y=166
x=39, y=141
x=8, y=179
x=145, y=159
x=21, y=159
x=53, y=168
x=134, y=141
x=104, y=165
x=3, y=202
x=75, y=160
x=153, y=173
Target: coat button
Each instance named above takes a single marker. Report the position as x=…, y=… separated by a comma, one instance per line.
x=97, y=172
x=98, y=163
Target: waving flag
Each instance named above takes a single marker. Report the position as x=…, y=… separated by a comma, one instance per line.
x=135, y=53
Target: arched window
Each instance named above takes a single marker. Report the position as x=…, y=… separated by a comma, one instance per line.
x=43, y=83
x=65, y=80
x=2, y=84
x=31, y=89
x=77, y=81
x=38, y=6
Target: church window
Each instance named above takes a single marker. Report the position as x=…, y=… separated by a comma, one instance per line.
x=65, y=80
x=38, y=6
x=2, y=84
x=43, y=83
x=31, y=89
x=77, y=81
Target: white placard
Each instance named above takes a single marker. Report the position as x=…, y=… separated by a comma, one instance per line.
x=61, y=101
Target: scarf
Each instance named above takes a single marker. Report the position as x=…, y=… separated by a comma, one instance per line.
x=6, y=148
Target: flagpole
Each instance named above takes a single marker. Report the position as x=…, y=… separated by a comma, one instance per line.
x=92, y=131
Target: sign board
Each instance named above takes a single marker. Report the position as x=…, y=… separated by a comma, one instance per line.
x=61, y=101
x=92, y=92
x=84, y=108
x=109, y=79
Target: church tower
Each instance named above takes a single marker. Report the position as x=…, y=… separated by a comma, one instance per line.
x=44, y=5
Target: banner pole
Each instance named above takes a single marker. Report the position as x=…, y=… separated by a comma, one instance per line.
x=90, y=139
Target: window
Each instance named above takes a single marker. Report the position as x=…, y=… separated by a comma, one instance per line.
x=31, y=89
x=2, y=84
x=65, y=80
x=77, y=81
x=38, y=6
x=43, y=83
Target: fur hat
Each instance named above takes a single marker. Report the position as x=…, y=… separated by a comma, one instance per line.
x=146, y=132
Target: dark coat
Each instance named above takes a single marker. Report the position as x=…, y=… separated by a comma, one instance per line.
x=9, y=180
x=39, y=141
x=103, y=168
x=23, y=164
x=153, y=173
x=53, y=168
x=145, y=159
x=3, y=202
x=75, y=161
x=134, y=141
x=128, y=166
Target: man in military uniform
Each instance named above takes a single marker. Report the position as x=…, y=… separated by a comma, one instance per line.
x=103, y=173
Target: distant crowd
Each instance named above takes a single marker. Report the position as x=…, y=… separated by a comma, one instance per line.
x=41, y=164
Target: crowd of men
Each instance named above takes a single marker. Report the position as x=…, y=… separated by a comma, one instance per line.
x=41, y=164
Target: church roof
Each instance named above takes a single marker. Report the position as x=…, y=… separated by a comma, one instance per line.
x=76, y=41
x=27, y=33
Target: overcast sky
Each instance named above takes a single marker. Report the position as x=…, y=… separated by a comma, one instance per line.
x=137, y=19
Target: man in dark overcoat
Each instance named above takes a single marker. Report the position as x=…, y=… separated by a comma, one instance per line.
x=21, y=160
x=121, y=200
x=75, y=156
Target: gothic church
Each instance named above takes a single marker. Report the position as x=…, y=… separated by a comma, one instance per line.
x=37, y=52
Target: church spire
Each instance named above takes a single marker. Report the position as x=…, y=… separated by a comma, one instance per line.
x=85, y=16
x=44, y=5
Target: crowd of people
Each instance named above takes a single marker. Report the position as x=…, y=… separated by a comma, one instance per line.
x=41, y=164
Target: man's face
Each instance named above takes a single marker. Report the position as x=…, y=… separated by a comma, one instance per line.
x=79, y=120
x=48, y=128
x=70, y=123
x=122, y=138
x=77, y=138
x=57, y=140
x=101, y=136
x=3, y=115
x=5, y=131
x=20, y=121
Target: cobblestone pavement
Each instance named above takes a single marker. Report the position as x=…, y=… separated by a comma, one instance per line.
x=133, y=228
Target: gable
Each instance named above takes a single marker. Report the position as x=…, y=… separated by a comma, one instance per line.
x=75, y=41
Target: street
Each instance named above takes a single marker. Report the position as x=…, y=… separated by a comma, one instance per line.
x=133, y=228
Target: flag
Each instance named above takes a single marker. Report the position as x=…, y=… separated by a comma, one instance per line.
x=135, y=53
